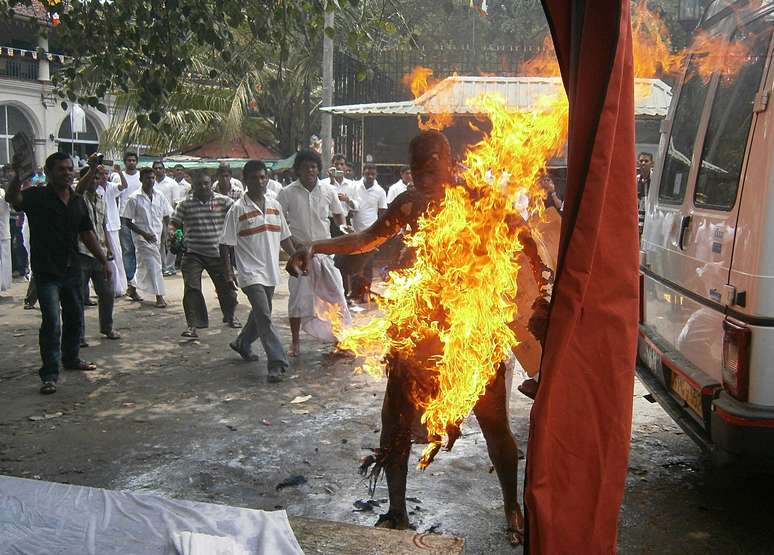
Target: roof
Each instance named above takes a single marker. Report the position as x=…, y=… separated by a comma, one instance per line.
x=35, y=10
x=241, y=148
x=451, y=96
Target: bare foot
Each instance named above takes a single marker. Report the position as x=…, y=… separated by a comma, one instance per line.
x=515, y=530
x=392, y=521
x=295, y=350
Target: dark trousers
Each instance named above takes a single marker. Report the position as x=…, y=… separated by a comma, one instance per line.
x=127, y=252
x=259, y=326
x=92, y=270
x=356, y=272
x=194, y=305
x=59, y=338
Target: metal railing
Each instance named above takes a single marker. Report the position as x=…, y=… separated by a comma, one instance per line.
x=18, y=67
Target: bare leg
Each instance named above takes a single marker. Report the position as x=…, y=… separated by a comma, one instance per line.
x=295, y=332
x=491, y=414
x=395, y=446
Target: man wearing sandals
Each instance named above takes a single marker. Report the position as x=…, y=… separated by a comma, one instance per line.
x=58, y=217
x=146, y=214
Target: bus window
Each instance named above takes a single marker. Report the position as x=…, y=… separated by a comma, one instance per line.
x=677, y=163
x=729, y=126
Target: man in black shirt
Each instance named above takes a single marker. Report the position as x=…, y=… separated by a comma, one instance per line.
x=58, y=217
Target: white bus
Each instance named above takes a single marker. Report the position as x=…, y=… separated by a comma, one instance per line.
x=706, y=346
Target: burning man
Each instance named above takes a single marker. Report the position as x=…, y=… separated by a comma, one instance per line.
x=431, y=167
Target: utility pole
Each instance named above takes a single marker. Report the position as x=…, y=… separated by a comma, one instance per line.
x=326, y=119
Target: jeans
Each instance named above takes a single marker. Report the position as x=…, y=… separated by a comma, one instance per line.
x=92, y=270
x=59, y=340
x=194, y=305
x=259, y=327
x=127, y=252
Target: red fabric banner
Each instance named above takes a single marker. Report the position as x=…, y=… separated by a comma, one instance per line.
x=581, y=420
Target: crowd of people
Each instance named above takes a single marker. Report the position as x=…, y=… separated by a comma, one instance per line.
x=121, y=231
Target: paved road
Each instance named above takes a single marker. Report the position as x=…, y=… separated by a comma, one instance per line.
x=190, y=420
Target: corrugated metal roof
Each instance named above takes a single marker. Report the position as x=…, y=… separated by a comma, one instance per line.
x=451, y=96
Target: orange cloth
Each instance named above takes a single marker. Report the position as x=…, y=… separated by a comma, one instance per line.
x=581, y=420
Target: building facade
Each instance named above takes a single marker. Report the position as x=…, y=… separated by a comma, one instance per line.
x=28, y=100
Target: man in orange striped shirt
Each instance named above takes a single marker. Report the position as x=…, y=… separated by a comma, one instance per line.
x=256, y=228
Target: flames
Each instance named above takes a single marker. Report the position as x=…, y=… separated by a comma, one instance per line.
x=446, y=318
x=654, y=55
x=419, y=81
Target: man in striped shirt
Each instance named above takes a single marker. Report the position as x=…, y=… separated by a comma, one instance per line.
x=201, y=216
x=256, y=228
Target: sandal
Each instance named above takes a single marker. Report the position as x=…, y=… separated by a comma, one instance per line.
x=48, y=388
x=190, y=332
x=111, y=334
x=160, y=304
x=29, y=306
x=82, y=366
x=234, y=323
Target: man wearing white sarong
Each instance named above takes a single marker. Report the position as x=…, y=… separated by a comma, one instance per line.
x=110, y=191
x=147, y=213
x=168, y=187
x=307, y=205
x=5, y=243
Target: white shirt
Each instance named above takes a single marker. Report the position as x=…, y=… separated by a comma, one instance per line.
x=370, y=201
x=171, y=189
x=272, y=188
x=133, y=182
x=348, y=188
x=307, y=212
x=256, y=238
x=110, y=193
x=236, y=183
x=396, y=189
x=147, y=214
x=5, y=217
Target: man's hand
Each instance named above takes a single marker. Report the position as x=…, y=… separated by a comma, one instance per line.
x=298, y=264
x=106, y=269
x=232, y=284
x=148, y=236
x=93, y=160
x=343, y=197
x=538, y=322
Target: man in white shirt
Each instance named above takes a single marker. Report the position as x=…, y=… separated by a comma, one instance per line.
x=168, y=187
x=401, y=185
x=307, y=204
x=185, y=185
x=147, y=213
x=345, y=190
x=129, y=179
x=273, y=187
x=256, y=228
x=110, y=192
x=372, y=203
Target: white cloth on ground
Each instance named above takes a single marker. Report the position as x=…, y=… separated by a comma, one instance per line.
x=318, y=299
x=39, y=518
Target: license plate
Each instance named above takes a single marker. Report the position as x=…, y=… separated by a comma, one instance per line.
x=649, y=356
x=687, y=393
